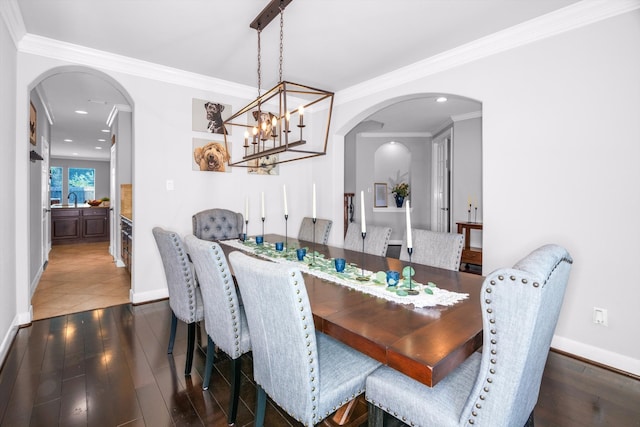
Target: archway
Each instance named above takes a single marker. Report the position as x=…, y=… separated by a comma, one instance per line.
x=55, y=92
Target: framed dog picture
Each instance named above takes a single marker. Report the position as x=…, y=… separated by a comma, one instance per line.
x=208, y=116
x=209, y=156
x=33, y=124
x=265, y=165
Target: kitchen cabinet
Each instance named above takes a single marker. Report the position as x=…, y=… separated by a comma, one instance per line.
x=126, y=244
x=79, y=225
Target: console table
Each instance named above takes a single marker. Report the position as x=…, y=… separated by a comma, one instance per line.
x=470, y=255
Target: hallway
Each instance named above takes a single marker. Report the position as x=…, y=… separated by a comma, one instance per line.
x=80, y=277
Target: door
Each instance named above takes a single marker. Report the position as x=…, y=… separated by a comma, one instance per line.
x=114, y=249
x=441, y=182
x=46, y=201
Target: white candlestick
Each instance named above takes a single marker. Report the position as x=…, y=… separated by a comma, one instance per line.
x=263, y=204
x=314, y=201
x=409, y=239
x=363, y=223
x=284, y=192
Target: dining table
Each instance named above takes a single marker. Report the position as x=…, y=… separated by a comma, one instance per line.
x=424, y=343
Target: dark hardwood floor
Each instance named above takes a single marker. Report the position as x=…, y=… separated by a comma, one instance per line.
x=110, y=367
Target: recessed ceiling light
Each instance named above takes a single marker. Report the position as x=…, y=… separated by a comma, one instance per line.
x=75, y=154
x=98, y=148
x=102, y=140
x=68, y=140
x=441, y=99
x=106, y=130
x=81, y=112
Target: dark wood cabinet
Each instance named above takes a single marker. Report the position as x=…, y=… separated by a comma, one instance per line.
x=470, y=255
x=126, y=244
x=77, y=225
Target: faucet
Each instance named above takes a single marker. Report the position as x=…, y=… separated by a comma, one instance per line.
x=75, y=199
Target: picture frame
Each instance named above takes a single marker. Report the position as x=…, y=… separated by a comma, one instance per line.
x=380, y=195
x=208, y=116
x=33, y=122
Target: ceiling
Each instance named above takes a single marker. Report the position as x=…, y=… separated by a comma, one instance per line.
x=331, y=44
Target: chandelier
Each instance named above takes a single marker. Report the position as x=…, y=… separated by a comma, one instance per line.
x=277, y=123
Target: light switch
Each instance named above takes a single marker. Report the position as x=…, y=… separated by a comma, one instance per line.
x=169, y=185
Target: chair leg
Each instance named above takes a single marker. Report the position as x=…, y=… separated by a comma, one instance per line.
x=376, y=416
x=191, y=342
x=529, y=422
x=211, y=358
x=261, y=405
x=236, y=366
x=172, y=336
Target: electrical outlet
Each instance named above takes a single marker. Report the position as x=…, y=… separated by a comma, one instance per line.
x=600, y=316
x=170, y=185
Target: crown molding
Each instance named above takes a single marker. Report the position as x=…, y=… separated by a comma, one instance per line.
x=466, y=116
x=55, y=49
x=12, y=17
x=395, y=134
x=566, y=19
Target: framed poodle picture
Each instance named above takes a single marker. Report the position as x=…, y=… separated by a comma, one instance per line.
x=265, y=165
x=208, y=116
x=32, y=125
x=209, y=156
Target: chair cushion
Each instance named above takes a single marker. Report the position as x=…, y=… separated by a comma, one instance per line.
x=403, y=395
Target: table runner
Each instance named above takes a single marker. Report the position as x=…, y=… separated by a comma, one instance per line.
x=429, y=294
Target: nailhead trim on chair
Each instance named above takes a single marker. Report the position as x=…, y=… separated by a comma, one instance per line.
x=237, y=353
x=184, y=260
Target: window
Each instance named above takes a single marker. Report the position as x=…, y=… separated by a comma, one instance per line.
x=82, y=183
x=55, y=183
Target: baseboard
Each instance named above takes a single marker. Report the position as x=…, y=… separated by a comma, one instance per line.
x=7, y=340
x=142, y=297
x=605, y=358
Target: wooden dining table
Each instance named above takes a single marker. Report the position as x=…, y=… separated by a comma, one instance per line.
x=423, y=343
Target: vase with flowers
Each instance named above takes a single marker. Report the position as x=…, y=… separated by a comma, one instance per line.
x=400, y=191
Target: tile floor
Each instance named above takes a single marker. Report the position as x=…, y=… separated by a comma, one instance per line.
x=80, y=277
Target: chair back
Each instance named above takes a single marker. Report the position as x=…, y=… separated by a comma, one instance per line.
x=375, y=242
x=285, y=359
x=184, y=295
x=217, y=224
x=520, y=309
x=224, y=317
x=322, y=226
x=434, y=248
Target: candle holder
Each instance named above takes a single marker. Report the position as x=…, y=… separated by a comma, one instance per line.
x=286, y=245
x=362, y=277
x=411, y=291
x=469, y=214
x=313, y=260
x=263, y=227
x=246, y=228
x=475, y=215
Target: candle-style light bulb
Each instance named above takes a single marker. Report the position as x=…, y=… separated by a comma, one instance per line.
x=301, y=115
x=246, y=138
x=255, y=134
x=363, y=223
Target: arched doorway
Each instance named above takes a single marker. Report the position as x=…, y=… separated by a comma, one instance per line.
x=418, y=122
x=86, y=122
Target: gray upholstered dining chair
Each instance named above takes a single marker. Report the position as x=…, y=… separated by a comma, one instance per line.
x=305, y=372
x=217, y=224
x=323, y=227
x=499, y=386
x=185, y=299
x=434, y=248
x=375, y=242
x=224, y=317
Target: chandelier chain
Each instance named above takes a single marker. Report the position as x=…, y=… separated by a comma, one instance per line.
x=281, y=40
x=259, y=66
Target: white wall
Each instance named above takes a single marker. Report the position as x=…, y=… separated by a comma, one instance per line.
x=8, y=72
x=560, y=153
